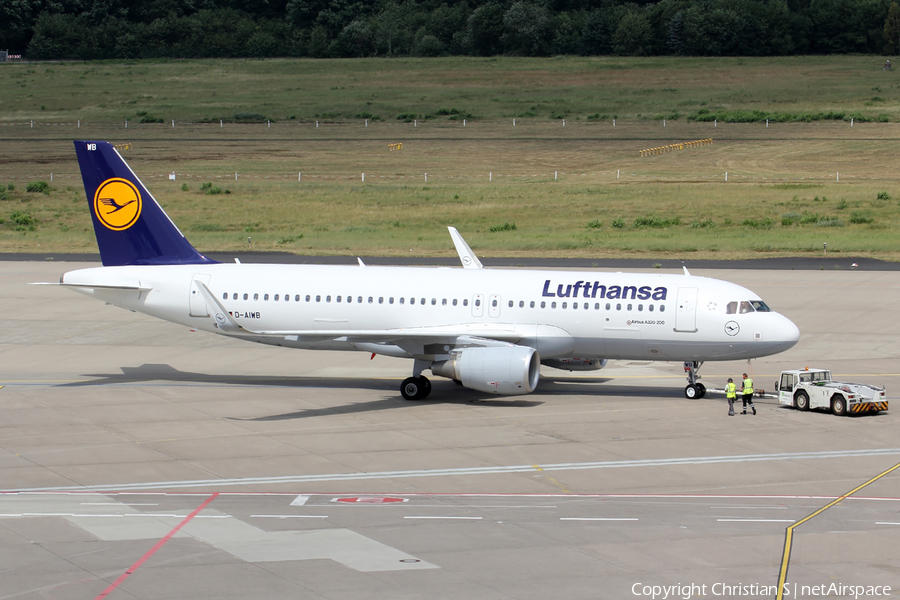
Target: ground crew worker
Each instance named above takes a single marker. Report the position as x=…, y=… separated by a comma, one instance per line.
x=748, y=395
x=731, y=394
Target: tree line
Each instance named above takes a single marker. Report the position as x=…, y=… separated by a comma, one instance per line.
x=104, y=29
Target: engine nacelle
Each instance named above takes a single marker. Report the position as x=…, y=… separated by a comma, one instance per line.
x=507, y=371
x=575, y=364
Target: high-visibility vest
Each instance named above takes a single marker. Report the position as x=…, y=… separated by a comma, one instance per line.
x=730, y=390
x=748, y=386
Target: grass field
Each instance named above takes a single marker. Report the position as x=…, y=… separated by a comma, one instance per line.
x=576, y=190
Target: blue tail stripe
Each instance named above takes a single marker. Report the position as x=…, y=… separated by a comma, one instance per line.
x=131, y=228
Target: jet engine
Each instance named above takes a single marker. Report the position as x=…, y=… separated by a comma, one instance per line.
x=575, y=364
x=508, y=371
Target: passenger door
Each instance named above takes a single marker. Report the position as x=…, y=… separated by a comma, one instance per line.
x=197, y=300
x=686, y=310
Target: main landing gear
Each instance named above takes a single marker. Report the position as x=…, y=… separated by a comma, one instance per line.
x=694, y=389
x=415, y=388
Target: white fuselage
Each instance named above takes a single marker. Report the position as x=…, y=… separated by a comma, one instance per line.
x=645, y=316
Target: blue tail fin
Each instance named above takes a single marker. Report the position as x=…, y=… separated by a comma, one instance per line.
x=131, y=227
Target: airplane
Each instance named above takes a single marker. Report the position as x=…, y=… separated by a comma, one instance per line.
x=489, y=330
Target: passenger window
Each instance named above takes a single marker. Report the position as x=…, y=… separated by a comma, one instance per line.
x=608, y=305
x=412, y=300
x=338, y=299
x=307, y=297
x=650, y=307
x=434, y=301
x=371, y=299
x=465, y=301
x=327, y=298
x=422, y=301
x=596, y=306
x=511, y=303
x=275, y=298
x=454, y=302
x=287, y=297
x=563, y=305
x=731, y=308
x=349, y=299
x=478, y=302
x=246, y=296
x=553, y=305
x=266, y=297
x=662, y=308
x=543, y=305
x=640, y=307
x=225, y=296
x=402, y=300
x=359, y=299
x=297, y=298
x=391, y=300
x=745, y=307
x=532, y=304
x=444, y=302
x=318, y=298
x=521, y=304
x=629, y=308
x=256, y=296
x=618, y=307
x=494, y=303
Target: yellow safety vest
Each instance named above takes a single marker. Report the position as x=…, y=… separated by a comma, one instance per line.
x=730, y=390
x=748, y=386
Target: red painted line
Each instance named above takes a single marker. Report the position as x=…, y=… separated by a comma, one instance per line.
x=153, y=550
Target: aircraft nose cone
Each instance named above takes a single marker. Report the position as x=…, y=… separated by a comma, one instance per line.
x=788, y=334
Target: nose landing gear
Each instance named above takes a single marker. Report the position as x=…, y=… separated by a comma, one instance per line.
x=694, y=388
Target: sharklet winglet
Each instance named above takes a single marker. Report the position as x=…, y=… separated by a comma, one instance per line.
x=466, y=256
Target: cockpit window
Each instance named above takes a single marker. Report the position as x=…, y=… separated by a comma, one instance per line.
x=731, y=308
x=746, y=307
x=760, y=306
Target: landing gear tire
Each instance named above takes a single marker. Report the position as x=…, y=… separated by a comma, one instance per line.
x=415, y=388
x=692, y=391
x=839, y=406
x=702, y=389
x=801, y=401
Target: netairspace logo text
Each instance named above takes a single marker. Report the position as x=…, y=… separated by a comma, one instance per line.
x=791, y=590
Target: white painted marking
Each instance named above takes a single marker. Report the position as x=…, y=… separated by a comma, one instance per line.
x=460, y=518
x=663, y=462
x=114, y=504
x=751, y=507
x=885, y=523
x=300, y=500
x=756, y=520
x=597, y=519
x=289, y=516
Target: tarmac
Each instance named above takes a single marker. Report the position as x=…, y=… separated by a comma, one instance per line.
x=139, y=459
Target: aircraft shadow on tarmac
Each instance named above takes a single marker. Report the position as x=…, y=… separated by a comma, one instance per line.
x=445, y=392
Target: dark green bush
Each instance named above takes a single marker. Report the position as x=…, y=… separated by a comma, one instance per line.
x=655, y=222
